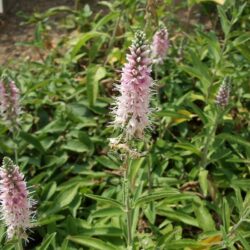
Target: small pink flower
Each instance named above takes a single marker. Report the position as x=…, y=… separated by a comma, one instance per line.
x=15, y=202
x=160, y=46
x=132, y=106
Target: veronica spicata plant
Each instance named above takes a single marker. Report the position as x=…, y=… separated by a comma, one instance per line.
x=132, y=115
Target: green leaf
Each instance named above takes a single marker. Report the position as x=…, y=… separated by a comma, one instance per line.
x=182, y=243
x=46, y=241
x=76, y=146
x=112, y=15
x=156, y=196
x=225, y=24
x=94, y=75
x=242, y=39
x=107, y=212
x=226, y=214
x=178, y=216
x=106, y=200
x=83, y=38
x=84, y=138
x=66, y=196
x=49, y=219
x=204, y=218
x=107, y=162
x=203, y=181
x=56, y=126
x=189, y=147
x=241, y=183
x=63, y=199
x=93, y=243
x=243, y=240
x=105, y=231
x=31, y=139
x=235, y=139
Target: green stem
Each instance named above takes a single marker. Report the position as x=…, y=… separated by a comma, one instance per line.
x=19, y=245
x=147, y=149
x=15, y=134
x=208, y=139
x=111, y=41
x=127, y=204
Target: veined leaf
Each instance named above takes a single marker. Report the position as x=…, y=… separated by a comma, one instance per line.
x=225, y=24
x=81, y=41
x=31, y=139
x=91, y=242
x=178, y=216
x=106, y=200
x=233, y=138
x=94, y=75
x=46, y=242
x=204, y=218
x=155, y=196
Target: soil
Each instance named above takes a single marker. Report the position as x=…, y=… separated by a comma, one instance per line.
x=12, y=31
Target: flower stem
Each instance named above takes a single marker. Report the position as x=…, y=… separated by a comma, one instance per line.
x=208, y=140
x=15, y=134
x=19, y=245
x=127, y=204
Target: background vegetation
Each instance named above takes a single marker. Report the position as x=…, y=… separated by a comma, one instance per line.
x=199, y=155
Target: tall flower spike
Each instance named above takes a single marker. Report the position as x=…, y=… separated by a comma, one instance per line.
x=222, y=98
x=15, y=202
x=160, y=46
x=9, y=102
x=14, y=97
x=3, y=98
x=132, y=106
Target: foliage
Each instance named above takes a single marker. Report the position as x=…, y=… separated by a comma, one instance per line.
x=199, y=154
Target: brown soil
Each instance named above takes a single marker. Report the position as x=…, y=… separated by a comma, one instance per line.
x=11, y=30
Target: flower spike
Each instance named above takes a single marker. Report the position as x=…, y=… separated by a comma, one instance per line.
x=15, y=202
x=160, y=46
x=132, y=106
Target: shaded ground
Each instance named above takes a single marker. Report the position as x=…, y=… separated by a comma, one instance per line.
x=12, y=32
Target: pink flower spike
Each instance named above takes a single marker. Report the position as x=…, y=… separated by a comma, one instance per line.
x=9, y=103
x=3, y=98
x=160, y=46
x=15, y=96
x=132, y=106
x=15, y=202
x=223, y=95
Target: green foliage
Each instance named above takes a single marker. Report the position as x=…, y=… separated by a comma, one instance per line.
x=199, y=155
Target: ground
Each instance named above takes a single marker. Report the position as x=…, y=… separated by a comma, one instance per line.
x=11, y=30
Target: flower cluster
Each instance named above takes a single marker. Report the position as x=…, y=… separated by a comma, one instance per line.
x=9, y=101
x=160, y=45
x=223, y=95
x=132, y=106
x=15, y=202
